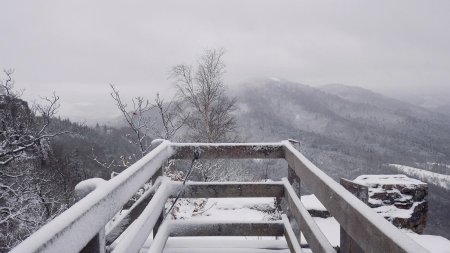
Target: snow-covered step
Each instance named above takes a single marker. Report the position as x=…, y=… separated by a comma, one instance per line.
x=224, y=250
x=224, y=244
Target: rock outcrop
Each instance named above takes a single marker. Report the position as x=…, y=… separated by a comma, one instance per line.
x=398, y=198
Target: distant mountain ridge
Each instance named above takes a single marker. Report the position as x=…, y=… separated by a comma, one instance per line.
x=365, y=96
x=349, y=131
x=346, y=118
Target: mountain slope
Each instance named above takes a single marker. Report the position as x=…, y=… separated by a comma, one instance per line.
x=348, y=131
x=360, y=124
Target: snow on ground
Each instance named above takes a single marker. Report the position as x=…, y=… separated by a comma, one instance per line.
x=235, y=209
x=433, y=243
x=252, y=209
x=229, y=209
x=439, y=164
x=424, y=175
x=391, y=211
x=330, y=228
x=312, y=203
x=248, y=209
x=375, y=180
x=223, y=244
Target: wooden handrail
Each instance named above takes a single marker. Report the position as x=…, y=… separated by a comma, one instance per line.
x=315, y=237
x=371, y=231
x=73, y=229
x=229, y=150
x=137, y=234
x=289, y=234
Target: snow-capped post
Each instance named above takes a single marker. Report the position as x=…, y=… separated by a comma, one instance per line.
x=292, y=176
x=98, y=243
x=155, y=143
x=294, y=180
x=158, y=173
x=348, y=244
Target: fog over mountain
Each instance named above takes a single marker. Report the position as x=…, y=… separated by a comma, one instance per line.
x=437, y=100
x=395, y=48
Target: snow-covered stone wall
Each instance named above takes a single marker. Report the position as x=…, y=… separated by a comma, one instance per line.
x=398, y=198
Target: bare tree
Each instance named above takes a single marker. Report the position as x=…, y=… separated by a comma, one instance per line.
x=211, y=111
x=7, y=85
x=146, y=121
x=203, y=91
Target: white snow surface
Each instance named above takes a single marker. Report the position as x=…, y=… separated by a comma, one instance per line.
x=424, y=175
x=85, y=187
x=225, y=244
x=312, y=203
x=391, y=211
x=373, y=180
x=233, y=209
x=436, y=244
x=375, y=185
x=433, y=243
x=330, y=228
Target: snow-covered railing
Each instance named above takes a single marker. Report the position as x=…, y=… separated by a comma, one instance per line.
x=72, y=230
x=362, y=230
x=82, y=227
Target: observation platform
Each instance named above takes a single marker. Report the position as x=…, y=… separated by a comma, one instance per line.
x=87, y=227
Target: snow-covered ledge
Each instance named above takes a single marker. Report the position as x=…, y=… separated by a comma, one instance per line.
x=398, y=198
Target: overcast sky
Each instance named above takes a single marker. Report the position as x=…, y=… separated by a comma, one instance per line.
x=77, y=48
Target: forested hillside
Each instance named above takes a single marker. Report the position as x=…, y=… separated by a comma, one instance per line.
x=38, y=183
x=349, y=131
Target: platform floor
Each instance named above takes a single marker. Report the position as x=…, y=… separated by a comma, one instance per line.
x=225, y=244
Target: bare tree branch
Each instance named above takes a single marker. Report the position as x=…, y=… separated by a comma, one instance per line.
x=211, y=111
x=137, y=119
x=171, y=116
